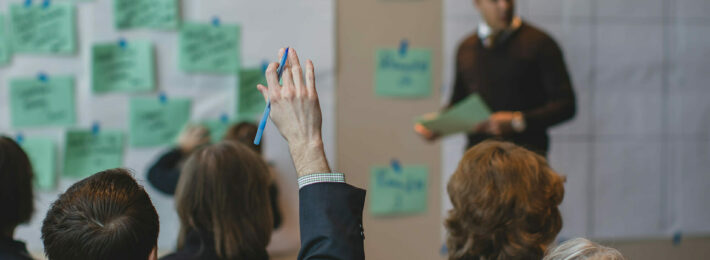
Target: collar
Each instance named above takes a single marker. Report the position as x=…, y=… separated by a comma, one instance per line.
x=484, y=30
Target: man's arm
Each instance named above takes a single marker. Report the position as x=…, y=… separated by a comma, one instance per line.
x=561, y=104
x=330, y=210
x=164, y=173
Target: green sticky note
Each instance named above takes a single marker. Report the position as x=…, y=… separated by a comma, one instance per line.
x=209, y=48
x=462, y=117
x=152, y=14
x=42, y=156
x=218, y=128
x=405, y=75
x=34, y=102
x=154, y=122
x=250, y=102
x=43, y=29
x=127, y=68
x=87, y=153
x=4, y=43
x=398, y=192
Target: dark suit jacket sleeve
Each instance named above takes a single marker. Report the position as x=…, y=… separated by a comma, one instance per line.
x=164, y=173
x=561, y=104
x=460, y=90
x=331, y=221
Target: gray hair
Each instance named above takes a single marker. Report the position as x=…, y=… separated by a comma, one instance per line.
x=582, y=249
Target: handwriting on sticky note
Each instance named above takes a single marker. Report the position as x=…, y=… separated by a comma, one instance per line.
x=154, y=122
x=209, y=48
x=250, y=102
x=43, y=157
x=39, y=29
x=398, y=192
x=126, y=68
x=36, y=103
x=87, y=153
x=406, y=75
x=153, y=14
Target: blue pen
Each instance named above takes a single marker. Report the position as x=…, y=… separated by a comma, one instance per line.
x=267, y=109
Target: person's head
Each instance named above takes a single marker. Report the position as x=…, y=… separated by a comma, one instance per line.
x=582, y=249
x=105, y=216
x=498, y=14
x=244, y=133
x=16, y=200
x=505, y=202
x=222, y=192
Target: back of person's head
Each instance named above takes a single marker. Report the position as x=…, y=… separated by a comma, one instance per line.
x=105, y=216
x=582, y=249
x=244, y=133
x=16, y=200
x=223, y=192
x=505, y=202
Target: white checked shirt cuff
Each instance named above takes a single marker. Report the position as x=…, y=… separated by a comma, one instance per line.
x=314, y=178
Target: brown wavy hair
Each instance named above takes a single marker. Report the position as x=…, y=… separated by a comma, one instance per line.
x=223, y=191
x=505, y=202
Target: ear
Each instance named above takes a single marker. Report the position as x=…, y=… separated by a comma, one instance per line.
x=153, y=254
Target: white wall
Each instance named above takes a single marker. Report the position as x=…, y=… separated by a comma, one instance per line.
x=637, y=155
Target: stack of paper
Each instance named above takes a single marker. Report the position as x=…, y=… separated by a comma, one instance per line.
x=462, y=117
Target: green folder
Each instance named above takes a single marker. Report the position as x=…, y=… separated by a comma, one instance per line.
x=462, y=117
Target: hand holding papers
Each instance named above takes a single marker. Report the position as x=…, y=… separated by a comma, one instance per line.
x=460, y=118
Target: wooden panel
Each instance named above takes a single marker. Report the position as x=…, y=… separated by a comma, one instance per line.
x=372, y=130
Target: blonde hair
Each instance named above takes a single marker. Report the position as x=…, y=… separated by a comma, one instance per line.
x=583, y=249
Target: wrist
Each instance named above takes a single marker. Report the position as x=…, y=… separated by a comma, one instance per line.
x=309, y=157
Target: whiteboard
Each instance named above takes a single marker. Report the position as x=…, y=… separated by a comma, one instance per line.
x=636, y=154
x=266, y=25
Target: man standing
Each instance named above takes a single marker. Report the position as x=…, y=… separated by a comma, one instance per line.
x=519, y=72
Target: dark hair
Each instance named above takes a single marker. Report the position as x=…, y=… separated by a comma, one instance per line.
x=223, y=191
x=244, y=133
x=105, y=216
x=505, y=202
x=16, y=200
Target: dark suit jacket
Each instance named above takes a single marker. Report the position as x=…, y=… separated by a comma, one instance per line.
x=331, y=221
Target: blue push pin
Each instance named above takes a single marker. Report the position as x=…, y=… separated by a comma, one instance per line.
x=677, y=238
x=42, y=77
x=224, y=118
x=396, y=166
x=45, y=4
x=95, y=128
x=215, y=21
x=19, y=138
x=403, y=47
x=122, y=43
x=163, y=98
x=28, y=3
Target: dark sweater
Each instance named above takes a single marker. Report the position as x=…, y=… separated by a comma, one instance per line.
x=526, y=72
x=165, y=173
x=13, y=250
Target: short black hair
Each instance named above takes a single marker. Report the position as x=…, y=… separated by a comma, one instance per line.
x=105, y=216
x=16, y=199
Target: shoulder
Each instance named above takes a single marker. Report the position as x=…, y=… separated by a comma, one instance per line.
x=537, y=38
x=469, y=42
